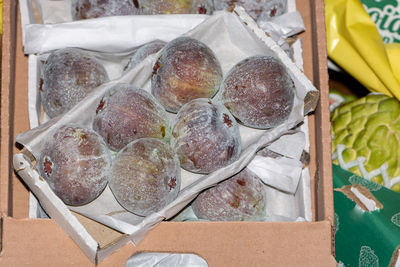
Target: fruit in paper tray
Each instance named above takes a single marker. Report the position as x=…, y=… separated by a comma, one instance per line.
x=186, y=69
x=145, y=176
x=75, y=162
x=89, y=9
x=205, y=136
x=127, y=113
x=153, y=7
x=239, y=198
x=259, y=92
x=69, y=75
x=143, y=52
x=365, y=138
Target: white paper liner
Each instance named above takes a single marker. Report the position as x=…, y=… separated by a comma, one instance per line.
x=282, y=173
x=51, y=35
x=303, y=193
x=282, y=27
x=110, y=34
x=268, y=169
x=206, y=33
x=165, y=259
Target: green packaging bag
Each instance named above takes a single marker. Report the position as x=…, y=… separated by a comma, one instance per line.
x=365, y=238
x=386, y=15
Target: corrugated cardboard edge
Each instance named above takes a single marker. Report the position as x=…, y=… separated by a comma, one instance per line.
x=9, y=13
x=320, y=152
x=322, y=118
x=6, y=106
x=320, y=78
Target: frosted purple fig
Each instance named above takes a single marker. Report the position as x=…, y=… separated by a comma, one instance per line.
x=240, y=198
x=75, y=162
x=152, y=7
x=69, y=75
x=127, y=113
x=186, y=69
x=143, y=52
x=259, y=92
x=89, y=9
x=145, y=176
x=205, y=136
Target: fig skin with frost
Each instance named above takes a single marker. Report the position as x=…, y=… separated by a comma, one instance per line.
x=145, y=176
x=143, y=52
x=205, y=136
x=69, y=75
x=186, y=69
x=153, y=7
x=127, y=113
x=90, y=9
x=259, y=92
x=239, y=198
x=75, y=162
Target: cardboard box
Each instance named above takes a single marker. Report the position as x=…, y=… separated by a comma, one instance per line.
x=41, y=241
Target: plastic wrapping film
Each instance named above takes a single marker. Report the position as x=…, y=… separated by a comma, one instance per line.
x=165, y=259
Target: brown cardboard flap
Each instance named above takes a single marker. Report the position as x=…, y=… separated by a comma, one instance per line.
x=38, y=242
x=6, y=106
x=234, y=244
x=311, y=101
x=104, y=235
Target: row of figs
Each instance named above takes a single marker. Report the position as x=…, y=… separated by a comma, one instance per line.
x=258, y=91
x=144, y=177
x=149, y=148
x=87, y=9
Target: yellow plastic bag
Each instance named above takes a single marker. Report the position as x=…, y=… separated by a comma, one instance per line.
x=354, y=43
